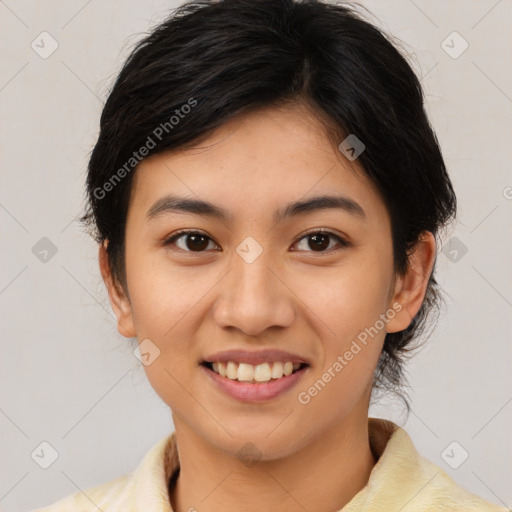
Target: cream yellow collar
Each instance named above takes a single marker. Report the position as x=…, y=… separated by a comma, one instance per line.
x=401, y=481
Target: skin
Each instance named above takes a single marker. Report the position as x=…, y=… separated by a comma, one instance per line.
x=314, y=303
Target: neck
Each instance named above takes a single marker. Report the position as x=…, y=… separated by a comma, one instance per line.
x=323, y=476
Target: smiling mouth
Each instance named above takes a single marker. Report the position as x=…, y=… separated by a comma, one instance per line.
x=253, y=374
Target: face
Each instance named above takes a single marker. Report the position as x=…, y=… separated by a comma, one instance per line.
x=310, y=281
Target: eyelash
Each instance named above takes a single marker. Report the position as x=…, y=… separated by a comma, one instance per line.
x=343, y=243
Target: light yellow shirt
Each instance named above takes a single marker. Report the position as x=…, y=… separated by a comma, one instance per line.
x=402, y=480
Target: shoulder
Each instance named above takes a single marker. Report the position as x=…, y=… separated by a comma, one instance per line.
x=105, y=497
x=405, y=480
x=429, y=486
x=445, y=494
x=145, y=489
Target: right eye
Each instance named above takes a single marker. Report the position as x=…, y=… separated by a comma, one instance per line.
x=193, y=241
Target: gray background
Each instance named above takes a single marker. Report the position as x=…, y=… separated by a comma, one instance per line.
x=67, y=376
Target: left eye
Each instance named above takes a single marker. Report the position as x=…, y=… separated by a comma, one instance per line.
x=319, y=240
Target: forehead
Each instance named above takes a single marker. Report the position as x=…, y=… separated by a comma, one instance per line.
x=254, y=163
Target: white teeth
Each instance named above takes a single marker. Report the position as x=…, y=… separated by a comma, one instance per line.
x=277, y=370
x=264, y=372
x=245, y=372
x=231, y=370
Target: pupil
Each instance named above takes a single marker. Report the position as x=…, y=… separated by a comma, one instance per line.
x=198, y=242
x=321, y=239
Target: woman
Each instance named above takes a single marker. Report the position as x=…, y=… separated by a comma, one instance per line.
x=267, y=194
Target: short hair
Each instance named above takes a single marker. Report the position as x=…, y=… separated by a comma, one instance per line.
x=212, y=60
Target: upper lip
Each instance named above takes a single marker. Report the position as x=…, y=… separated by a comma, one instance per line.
x=255, y=357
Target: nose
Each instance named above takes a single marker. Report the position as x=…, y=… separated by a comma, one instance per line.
x=254, y=297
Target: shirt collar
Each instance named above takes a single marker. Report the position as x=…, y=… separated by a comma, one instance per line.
x=400, y=480
x=161, y=464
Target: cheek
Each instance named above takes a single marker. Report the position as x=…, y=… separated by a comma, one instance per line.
x=352, y=343
x=161, y=295
x=350, y=297
x=350, y=305
x=162, y=305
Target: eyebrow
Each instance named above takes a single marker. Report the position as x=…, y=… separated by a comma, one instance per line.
x=172, y=203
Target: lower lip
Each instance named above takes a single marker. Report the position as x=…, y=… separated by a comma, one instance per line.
x=257, y=392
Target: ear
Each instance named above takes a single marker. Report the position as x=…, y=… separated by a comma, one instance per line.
x=410, y=288
x=118, y=300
